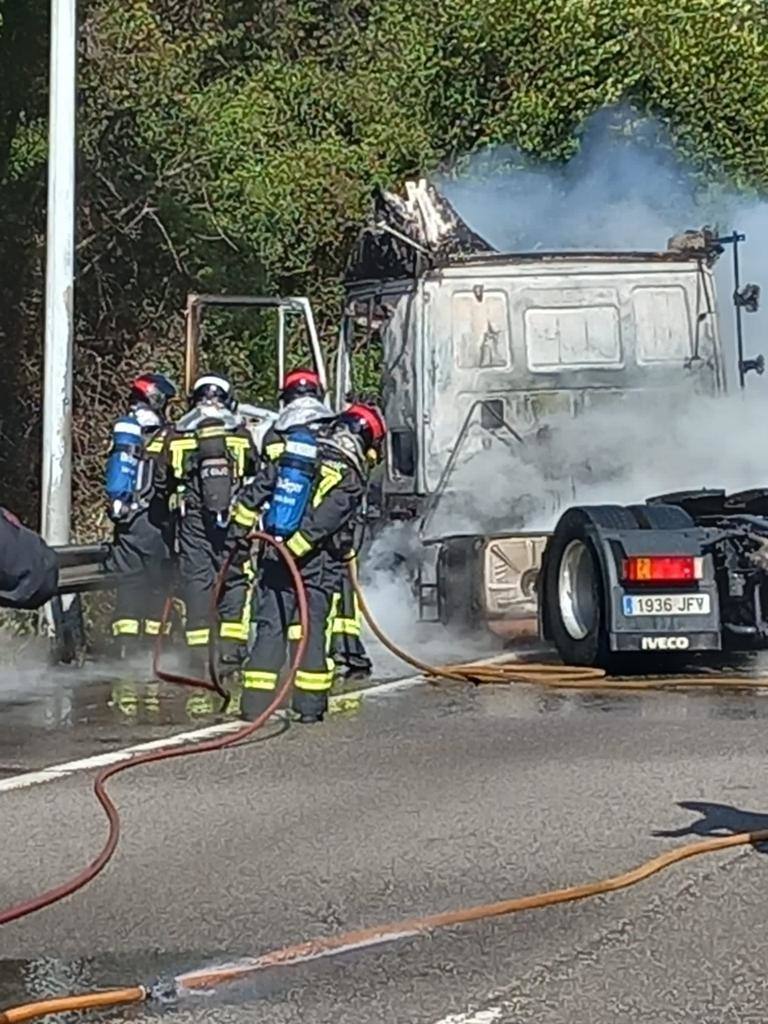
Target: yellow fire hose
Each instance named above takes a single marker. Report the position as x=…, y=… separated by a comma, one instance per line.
x=554, y=676
x=557, y=677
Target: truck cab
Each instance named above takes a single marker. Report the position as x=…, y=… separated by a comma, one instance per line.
x=480, y=357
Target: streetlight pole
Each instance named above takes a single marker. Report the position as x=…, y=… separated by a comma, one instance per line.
x=59, y=286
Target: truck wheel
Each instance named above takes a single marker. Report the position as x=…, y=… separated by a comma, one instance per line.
x=661, y=517
x=573, y=591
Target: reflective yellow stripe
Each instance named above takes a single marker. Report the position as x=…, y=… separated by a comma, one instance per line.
x=347, y=627
x=329, y=478
x=245, y=618
x=126, y=627
x=154, y=447
x=244, y=516
x=198, y=637
x=152, y=627
x=333, y=614
x=233, y=631
x=253, y=680
x=275, y=450
x=299, y=545
x=219, y=430
x=315, y=681
x=295, y=631
x=239, y=447
x=179, y=449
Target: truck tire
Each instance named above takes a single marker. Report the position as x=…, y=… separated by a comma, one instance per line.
x=573, y=591
x=661, y=517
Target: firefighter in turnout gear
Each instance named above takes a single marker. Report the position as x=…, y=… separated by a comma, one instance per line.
x=302, y=398
x=210, y=455
x=142, y=547
x=311, y=492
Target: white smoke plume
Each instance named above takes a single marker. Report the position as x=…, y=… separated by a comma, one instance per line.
x=622, y=454
x=387, y=573
x=623, y=190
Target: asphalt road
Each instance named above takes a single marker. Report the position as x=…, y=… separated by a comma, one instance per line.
x=417, y=801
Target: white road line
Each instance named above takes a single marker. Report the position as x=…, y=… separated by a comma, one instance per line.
x=488, y=1016
x=339, y=702
x=62, y=771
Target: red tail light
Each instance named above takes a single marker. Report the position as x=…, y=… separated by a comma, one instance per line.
x=663, y=569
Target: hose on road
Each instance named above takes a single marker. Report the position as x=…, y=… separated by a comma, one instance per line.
x=97, y=865
x=556, y=676
x=67, y=1004
x=543, y=674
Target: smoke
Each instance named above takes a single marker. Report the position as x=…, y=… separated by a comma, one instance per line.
x=388, y=574
x=626, y=188
x=622, y=453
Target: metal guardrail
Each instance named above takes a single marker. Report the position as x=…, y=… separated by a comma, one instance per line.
x=82, y=570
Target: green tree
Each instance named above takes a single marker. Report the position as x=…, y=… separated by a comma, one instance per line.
x=234, y=145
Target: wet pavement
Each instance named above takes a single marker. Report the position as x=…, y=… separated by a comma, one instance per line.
x=416, y=801
x=57, y=715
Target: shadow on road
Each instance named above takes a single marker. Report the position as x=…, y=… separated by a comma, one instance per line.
x=717, y=820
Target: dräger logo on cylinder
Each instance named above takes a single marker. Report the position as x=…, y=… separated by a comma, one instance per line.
x=664, y=643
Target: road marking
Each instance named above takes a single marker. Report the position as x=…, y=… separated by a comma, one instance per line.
x=62, y=771
x=488, y=1016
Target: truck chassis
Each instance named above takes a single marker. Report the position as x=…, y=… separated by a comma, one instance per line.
x=684, y=573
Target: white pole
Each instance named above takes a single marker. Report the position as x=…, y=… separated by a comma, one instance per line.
x=59, y=305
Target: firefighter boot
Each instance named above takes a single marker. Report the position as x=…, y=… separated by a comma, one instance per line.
x=351, y=668
x=254, y=703
x=310, y=706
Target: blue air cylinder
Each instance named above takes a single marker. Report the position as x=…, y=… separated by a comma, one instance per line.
x=123, y=461
x=296, y=470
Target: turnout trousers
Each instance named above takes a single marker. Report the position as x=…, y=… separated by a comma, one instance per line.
x=347, y=648
x=277, y=629
x=141, y=548
x=202, y=555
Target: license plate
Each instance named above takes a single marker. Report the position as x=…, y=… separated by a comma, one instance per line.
x=666, y=604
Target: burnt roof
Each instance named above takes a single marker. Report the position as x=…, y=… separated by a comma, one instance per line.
x=406, y=237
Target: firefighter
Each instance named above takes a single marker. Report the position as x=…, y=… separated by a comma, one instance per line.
x=302, y=398
x=311, y=492
x=29, y=569
x=142, y=546
x=210, y=454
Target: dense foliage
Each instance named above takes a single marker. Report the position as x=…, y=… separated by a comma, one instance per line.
x=232, y=145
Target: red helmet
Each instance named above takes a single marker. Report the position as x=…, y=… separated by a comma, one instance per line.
x=301, y=382
x=366, y=422
x=152, y=389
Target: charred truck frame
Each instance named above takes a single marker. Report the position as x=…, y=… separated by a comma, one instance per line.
x=476, y=348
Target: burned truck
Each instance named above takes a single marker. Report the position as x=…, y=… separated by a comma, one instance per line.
x=482, y=359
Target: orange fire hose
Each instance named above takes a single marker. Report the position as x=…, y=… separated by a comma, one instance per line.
x=555, y=676
x=65, y=1004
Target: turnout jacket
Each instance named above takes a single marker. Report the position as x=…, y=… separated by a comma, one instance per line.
x=180, y=460
x=29, y=568
x=338, y=491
